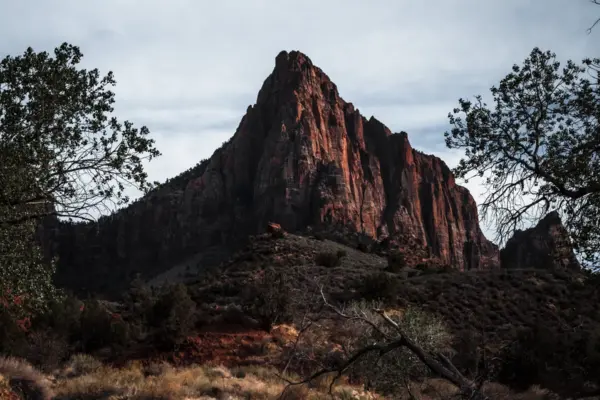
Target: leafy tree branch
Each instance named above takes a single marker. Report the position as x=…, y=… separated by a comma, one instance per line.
x=537, y=147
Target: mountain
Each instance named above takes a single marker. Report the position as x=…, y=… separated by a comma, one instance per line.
x=546, y=245
x=301, y=157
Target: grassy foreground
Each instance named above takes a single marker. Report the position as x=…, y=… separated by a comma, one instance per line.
x=85, y=378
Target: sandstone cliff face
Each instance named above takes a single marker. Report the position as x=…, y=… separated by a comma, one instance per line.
x=300, y=157
x=546, y=245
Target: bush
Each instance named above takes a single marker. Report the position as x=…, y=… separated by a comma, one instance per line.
x=157, y=368
x=46, y=349
x=396, y=262
x=139, y=302
x=341, y=253
x=328, y=259
x=379, y=286
x=82, y=364
x=174, y=314
x=268, y=299
x=319, y=236
x=12, y=336
x=101, y=327
x=63, y=317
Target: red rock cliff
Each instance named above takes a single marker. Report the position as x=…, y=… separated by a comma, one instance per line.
x=547, y=245
x=301, y=156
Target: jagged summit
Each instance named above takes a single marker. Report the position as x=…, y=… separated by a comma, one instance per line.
x=291, y=60
x=301, y=156
x=547, y=245
x=294, y=75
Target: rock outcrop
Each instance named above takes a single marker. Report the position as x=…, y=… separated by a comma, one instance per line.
x=546, y=245
x=301, y=156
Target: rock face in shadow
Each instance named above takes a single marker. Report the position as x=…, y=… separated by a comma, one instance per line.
x=301, y=156
x=546, y=245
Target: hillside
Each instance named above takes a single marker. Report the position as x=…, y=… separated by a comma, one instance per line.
x=549, y=311
x=518, y=327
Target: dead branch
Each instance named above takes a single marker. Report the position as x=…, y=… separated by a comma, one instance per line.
x=596, y=2
x=437, y=363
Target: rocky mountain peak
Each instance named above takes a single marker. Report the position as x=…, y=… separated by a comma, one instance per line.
x=301, y=156
x=546, y=245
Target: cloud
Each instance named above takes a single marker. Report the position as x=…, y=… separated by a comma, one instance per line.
x=189, y=68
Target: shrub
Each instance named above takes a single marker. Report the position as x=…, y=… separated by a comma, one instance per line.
x=364, y=247
x=341, y=253
x=157, y=368
x=11, y=335
x=396, y=262
x=100, y=327
x=278, y=233
x=328, y=259
x=174, y=314
x=379, y=286
x=268, y=299
x=82, y=364
x=318, y=235
x=63, y=316
x=46, y=349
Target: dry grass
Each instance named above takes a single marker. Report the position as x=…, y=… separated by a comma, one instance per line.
x=196, y=382
x=207, y=382
x=20, y=378
x=439, y=389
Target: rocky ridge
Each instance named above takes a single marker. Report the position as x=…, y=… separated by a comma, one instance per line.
x=301, y=157
x=546, y=245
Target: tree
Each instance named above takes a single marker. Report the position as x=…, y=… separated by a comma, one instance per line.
x=537, y=147
x=62, y=152
x=62, y=155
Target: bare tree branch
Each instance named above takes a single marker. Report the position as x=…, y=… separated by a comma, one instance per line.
x=597, y=2
x=443, y=368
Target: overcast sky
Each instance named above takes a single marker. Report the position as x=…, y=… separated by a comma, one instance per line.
x=189, y=69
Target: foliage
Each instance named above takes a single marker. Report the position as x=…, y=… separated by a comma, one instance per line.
x=379, y=286
x=396, y=262
x=63, y=155
x=25, y=276
x=46, y=349
x=174, y=315
x=329, y=259
x=268, y=299
x=83, y=364
x=391, y=372
x=101, y=327
x=543, y=355
x=537, y=147
x=63, y=316
x=60, y=147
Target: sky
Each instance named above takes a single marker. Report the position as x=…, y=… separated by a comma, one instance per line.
x=189, y=69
